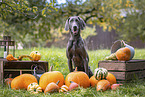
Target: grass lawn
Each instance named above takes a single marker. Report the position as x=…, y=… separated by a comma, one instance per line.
x=57, y=58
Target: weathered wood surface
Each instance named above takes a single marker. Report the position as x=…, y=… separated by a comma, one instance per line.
x=125, y=70
x=14, y=67
x=123, y=65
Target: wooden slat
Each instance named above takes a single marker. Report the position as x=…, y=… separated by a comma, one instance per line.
x=135, y=66
x=119, y=75
x=17, y=70
x=1, y=72
x=129, y=75
x=131, y=65
x=113, y=66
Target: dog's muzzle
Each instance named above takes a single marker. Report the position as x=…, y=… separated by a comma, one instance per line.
x=75, y=30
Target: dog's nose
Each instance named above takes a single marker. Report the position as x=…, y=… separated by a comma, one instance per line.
x=75, y=28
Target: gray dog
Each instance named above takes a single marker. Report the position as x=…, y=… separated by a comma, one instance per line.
x=76, y=52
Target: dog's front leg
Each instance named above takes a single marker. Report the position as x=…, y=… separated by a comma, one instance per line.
x=86, y=65
x=70, y=65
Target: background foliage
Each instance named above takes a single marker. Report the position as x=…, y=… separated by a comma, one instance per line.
x=37, y=22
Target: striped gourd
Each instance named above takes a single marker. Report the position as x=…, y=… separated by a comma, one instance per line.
x=34, y=88
x=100, y=73
x=63, y=88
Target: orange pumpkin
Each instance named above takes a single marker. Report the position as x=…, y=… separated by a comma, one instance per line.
x=103, y=85
x=78, y=77
x=123, y=54
x=51, y=76
x=22, y=81
x=93, y=81
x=111, y=78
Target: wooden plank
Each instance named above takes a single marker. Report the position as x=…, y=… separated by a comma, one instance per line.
x=131, y=65
x=1, y=72
x=129, y=75
x=135, y=66
x=17, y=70
x=15, y=73
x=113, y=66
x=24, y=64
x=135, y=75
x=119, y=75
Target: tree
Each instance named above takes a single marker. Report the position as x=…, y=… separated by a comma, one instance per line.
x=43, y=21
x=26, y=18
x=133, y=25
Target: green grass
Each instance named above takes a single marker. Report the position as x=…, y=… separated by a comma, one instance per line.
x=57, y=58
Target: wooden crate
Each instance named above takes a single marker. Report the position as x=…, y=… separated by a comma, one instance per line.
x=14, y=67
x=125, y=71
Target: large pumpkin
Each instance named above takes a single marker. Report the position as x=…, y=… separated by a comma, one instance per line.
x=111, y=78
x=51, y=76
x=93, y=81
x=123, y=54
x=35, y=55
x=22, y=81
x=78, y=77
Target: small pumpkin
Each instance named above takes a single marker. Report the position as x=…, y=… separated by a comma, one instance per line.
x=22, y=81
x=51, y=76
x=93, y=81
x=100, y=73
x=8, y=81
x=52, y=87
x=72, y=86
x=63, y=88
x=34, y=88
x=35, y=55
x=115, y=86
x=103, y=85
x=123, y=54
x=10, y=57
x=111, y=78
x=79, y=77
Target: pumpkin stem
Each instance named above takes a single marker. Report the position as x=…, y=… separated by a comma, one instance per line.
x=76, y=69
x=51, y=68
x=72, y=82
x=57, y=82
x=123, y=43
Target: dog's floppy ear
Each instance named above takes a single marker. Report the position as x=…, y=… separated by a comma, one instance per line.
x=83, y=24
x=67, y=24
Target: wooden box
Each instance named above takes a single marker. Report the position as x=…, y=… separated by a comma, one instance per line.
x=14, y=67
x=124, y=71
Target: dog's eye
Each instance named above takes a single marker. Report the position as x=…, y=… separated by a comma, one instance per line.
x=76, y=20
x=71, y=20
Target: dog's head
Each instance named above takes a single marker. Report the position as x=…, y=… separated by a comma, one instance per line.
x=74, y=24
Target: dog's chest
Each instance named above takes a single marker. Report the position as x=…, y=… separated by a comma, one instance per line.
x=76, y=51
